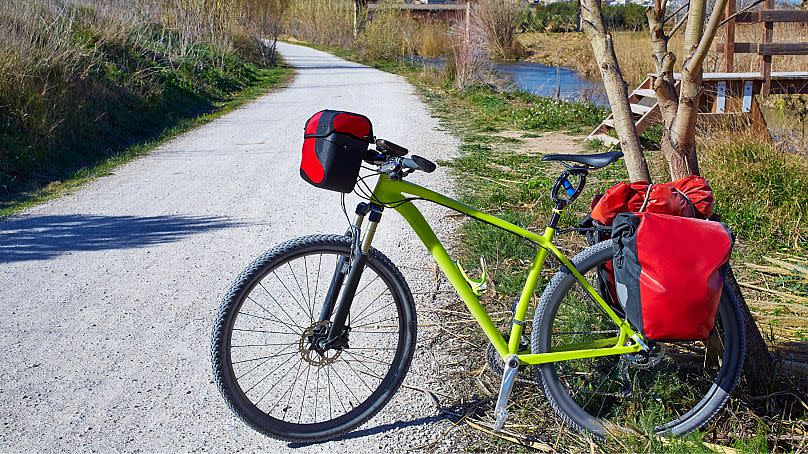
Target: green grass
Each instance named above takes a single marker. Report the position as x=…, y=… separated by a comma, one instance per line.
x=102, y=164
x=761, y=192
x=127, y=102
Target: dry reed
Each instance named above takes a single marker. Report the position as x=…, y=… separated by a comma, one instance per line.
x=634, y=52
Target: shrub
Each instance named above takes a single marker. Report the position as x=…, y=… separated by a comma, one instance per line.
x=498, y=20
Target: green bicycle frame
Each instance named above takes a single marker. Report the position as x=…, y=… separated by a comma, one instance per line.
x=392, y=191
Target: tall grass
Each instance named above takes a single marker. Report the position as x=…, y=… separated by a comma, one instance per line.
x=498, y=20
x=81, y=78
x=760, y=190
x=324, y=22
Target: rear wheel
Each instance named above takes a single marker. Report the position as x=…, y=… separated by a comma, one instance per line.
x=268, y=363
x=674, y=389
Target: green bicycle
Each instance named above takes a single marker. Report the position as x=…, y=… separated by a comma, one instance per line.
x=317, y=334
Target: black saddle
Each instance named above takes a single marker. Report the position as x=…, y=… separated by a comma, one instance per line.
x=591, y=161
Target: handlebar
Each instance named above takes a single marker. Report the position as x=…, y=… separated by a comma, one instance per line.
x=390, y=158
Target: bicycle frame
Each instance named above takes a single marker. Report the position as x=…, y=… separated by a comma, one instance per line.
x=392, y=191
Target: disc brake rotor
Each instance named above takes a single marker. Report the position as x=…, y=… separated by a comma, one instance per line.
x=308, y=345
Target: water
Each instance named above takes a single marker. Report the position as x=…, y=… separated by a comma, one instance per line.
x=543, y=80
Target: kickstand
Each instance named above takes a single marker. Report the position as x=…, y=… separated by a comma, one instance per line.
x=508, y=379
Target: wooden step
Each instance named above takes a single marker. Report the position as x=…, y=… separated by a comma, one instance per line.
x=639, y=109
x=645, y=93
x=609, y=122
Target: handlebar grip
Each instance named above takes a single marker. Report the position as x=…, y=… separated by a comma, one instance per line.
x=424, y=164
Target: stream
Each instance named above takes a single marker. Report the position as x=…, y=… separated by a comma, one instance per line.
x=551, y=81
x=542, y=80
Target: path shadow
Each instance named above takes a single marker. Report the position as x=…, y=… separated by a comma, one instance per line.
x=375, y=430
x=45, y=237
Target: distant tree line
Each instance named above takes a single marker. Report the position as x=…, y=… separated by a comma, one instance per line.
x=563, y=17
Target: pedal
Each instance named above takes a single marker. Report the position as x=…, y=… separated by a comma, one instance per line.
x=508, y=379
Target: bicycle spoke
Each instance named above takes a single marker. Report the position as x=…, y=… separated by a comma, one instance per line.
x=273, y=320
x=263, y=357
x=317, y=279
x=367, y=285
x=288, y=291
x=294, y=276
x=280, y=306
x=272, y=352
x=371, y=303
x=271, y=314
x=303, y=397
x=267, y=376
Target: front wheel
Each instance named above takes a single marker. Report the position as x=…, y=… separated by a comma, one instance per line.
x=267, y=349
x=674, y=389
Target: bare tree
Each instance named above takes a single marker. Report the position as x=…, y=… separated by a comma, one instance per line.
x=264, y=21
x=594, y=26
x=679, y=111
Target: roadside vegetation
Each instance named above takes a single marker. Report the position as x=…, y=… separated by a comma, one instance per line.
x=86, y=84
x=572, y=50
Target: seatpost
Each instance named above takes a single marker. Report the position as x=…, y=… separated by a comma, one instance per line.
x=556, y=216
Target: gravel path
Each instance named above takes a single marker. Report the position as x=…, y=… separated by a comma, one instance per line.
x=108, y=294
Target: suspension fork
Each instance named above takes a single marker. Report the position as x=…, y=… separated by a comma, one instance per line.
x=350, y=281
x=362, y=209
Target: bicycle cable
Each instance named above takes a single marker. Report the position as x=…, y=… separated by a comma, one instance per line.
x=363, y=191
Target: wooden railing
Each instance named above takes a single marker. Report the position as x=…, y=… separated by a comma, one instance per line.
x=766, y=17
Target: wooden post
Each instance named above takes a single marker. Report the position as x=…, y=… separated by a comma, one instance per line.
x=468, y=20
x=729, y=38
x=767, y=34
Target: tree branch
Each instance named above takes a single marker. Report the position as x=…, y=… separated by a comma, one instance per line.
x=664, y=60
x=700, y=53
x=742, y=10
x=679, y=11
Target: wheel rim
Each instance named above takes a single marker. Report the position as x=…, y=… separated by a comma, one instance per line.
x=269, y=354
x=660, y=392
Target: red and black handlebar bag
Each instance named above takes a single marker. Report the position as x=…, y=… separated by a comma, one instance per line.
x=334, y=144
x=669, y=273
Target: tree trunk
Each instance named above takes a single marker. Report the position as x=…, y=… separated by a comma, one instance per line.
x=679, y=139
x=616, y=89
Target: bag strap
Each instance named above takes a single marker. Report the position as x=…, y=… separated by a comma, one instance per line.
x=646, y=199
x=689, y=202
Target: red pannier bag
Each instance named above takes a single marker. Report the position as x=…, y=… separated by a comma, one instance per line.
x=668, y=273
x=688, y=197
x=334, y=144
